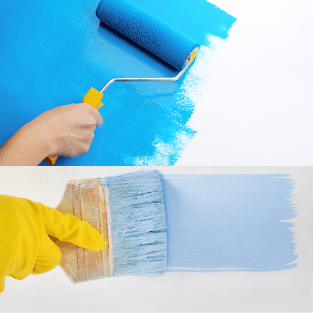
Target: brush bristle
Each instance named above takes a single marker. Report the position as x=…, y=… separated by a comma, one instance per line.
x=137, y=223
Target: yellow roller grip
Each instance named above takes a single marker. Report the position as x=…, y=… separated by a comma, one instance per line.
x=92, y=97
x=51, y=159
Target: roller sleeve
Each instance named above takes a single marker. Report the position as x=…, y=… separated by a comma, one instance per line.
x=147, y=31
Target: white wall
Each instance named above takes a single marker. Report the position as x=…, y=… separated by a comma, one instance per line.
x=257, y=107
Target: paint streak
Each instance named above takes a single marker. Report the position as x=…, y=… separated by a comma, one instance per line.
x=52, y=52
x=229, y=222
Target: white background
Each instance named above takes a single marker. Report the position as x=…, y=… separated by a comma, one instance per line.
x=289, y=290
x=258, y=104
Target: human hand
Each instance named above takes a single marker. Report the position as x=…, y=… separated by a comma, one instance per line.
x=25, y=245
x=66, y=130
x=69, y=128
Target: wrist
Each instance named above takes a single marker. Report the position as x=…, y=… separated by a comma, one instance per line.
x=39, y=138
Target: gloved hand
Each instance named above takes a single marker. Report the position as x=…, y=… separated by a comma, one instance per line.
x=25, y=245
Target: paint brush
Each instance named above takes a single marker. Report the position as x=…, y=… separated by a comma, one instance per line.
x=213, y=223
x=129, y=212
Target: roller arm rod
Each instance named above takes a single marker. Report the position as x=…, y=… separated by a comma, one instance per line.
x=161, y=79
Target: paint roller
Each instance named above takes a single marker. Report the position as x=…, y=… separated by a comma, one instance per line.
x=150, y=33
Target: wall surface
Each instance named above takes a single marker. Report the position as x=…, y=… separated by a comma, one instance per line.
x=256, y=109
x=283, y=290
x=247, y=100
x=57, y=55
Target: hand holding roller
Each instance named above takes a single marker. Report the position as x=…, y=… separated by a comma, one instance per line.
x=93, y=97
x=150, y=33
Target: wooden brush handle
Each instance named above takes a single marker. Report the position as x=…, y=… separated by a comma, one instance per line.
x=86, y=200
x=92, y=97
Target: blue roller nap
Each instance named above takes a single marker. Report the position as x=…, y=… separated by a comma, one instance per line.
x=149, y=32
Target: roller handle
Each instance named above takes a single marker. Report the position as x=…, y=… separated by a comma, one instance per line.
x=92, y=97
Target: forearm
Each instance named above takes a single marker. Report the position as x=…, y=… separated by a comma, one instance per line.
x=28, y=146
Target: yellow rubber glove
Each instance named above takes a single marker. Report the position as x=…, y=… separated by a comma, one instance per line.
x=25, y=245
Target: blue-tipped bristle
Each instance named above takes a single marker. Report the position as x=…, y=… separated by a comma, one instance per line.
x=146, y=30
x=138, y=227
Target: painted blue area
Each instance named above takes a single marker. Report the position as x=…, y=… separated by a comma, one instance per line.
x=220, y=222
x=53, y=51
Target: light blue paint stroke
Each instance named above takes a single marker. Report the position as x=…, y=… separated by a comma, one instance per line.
x=229, y=222
x=52, y=52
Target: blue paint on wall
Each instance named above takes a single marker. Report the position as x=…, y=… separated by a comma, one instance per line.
x=223, y=222
x=52, y=52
